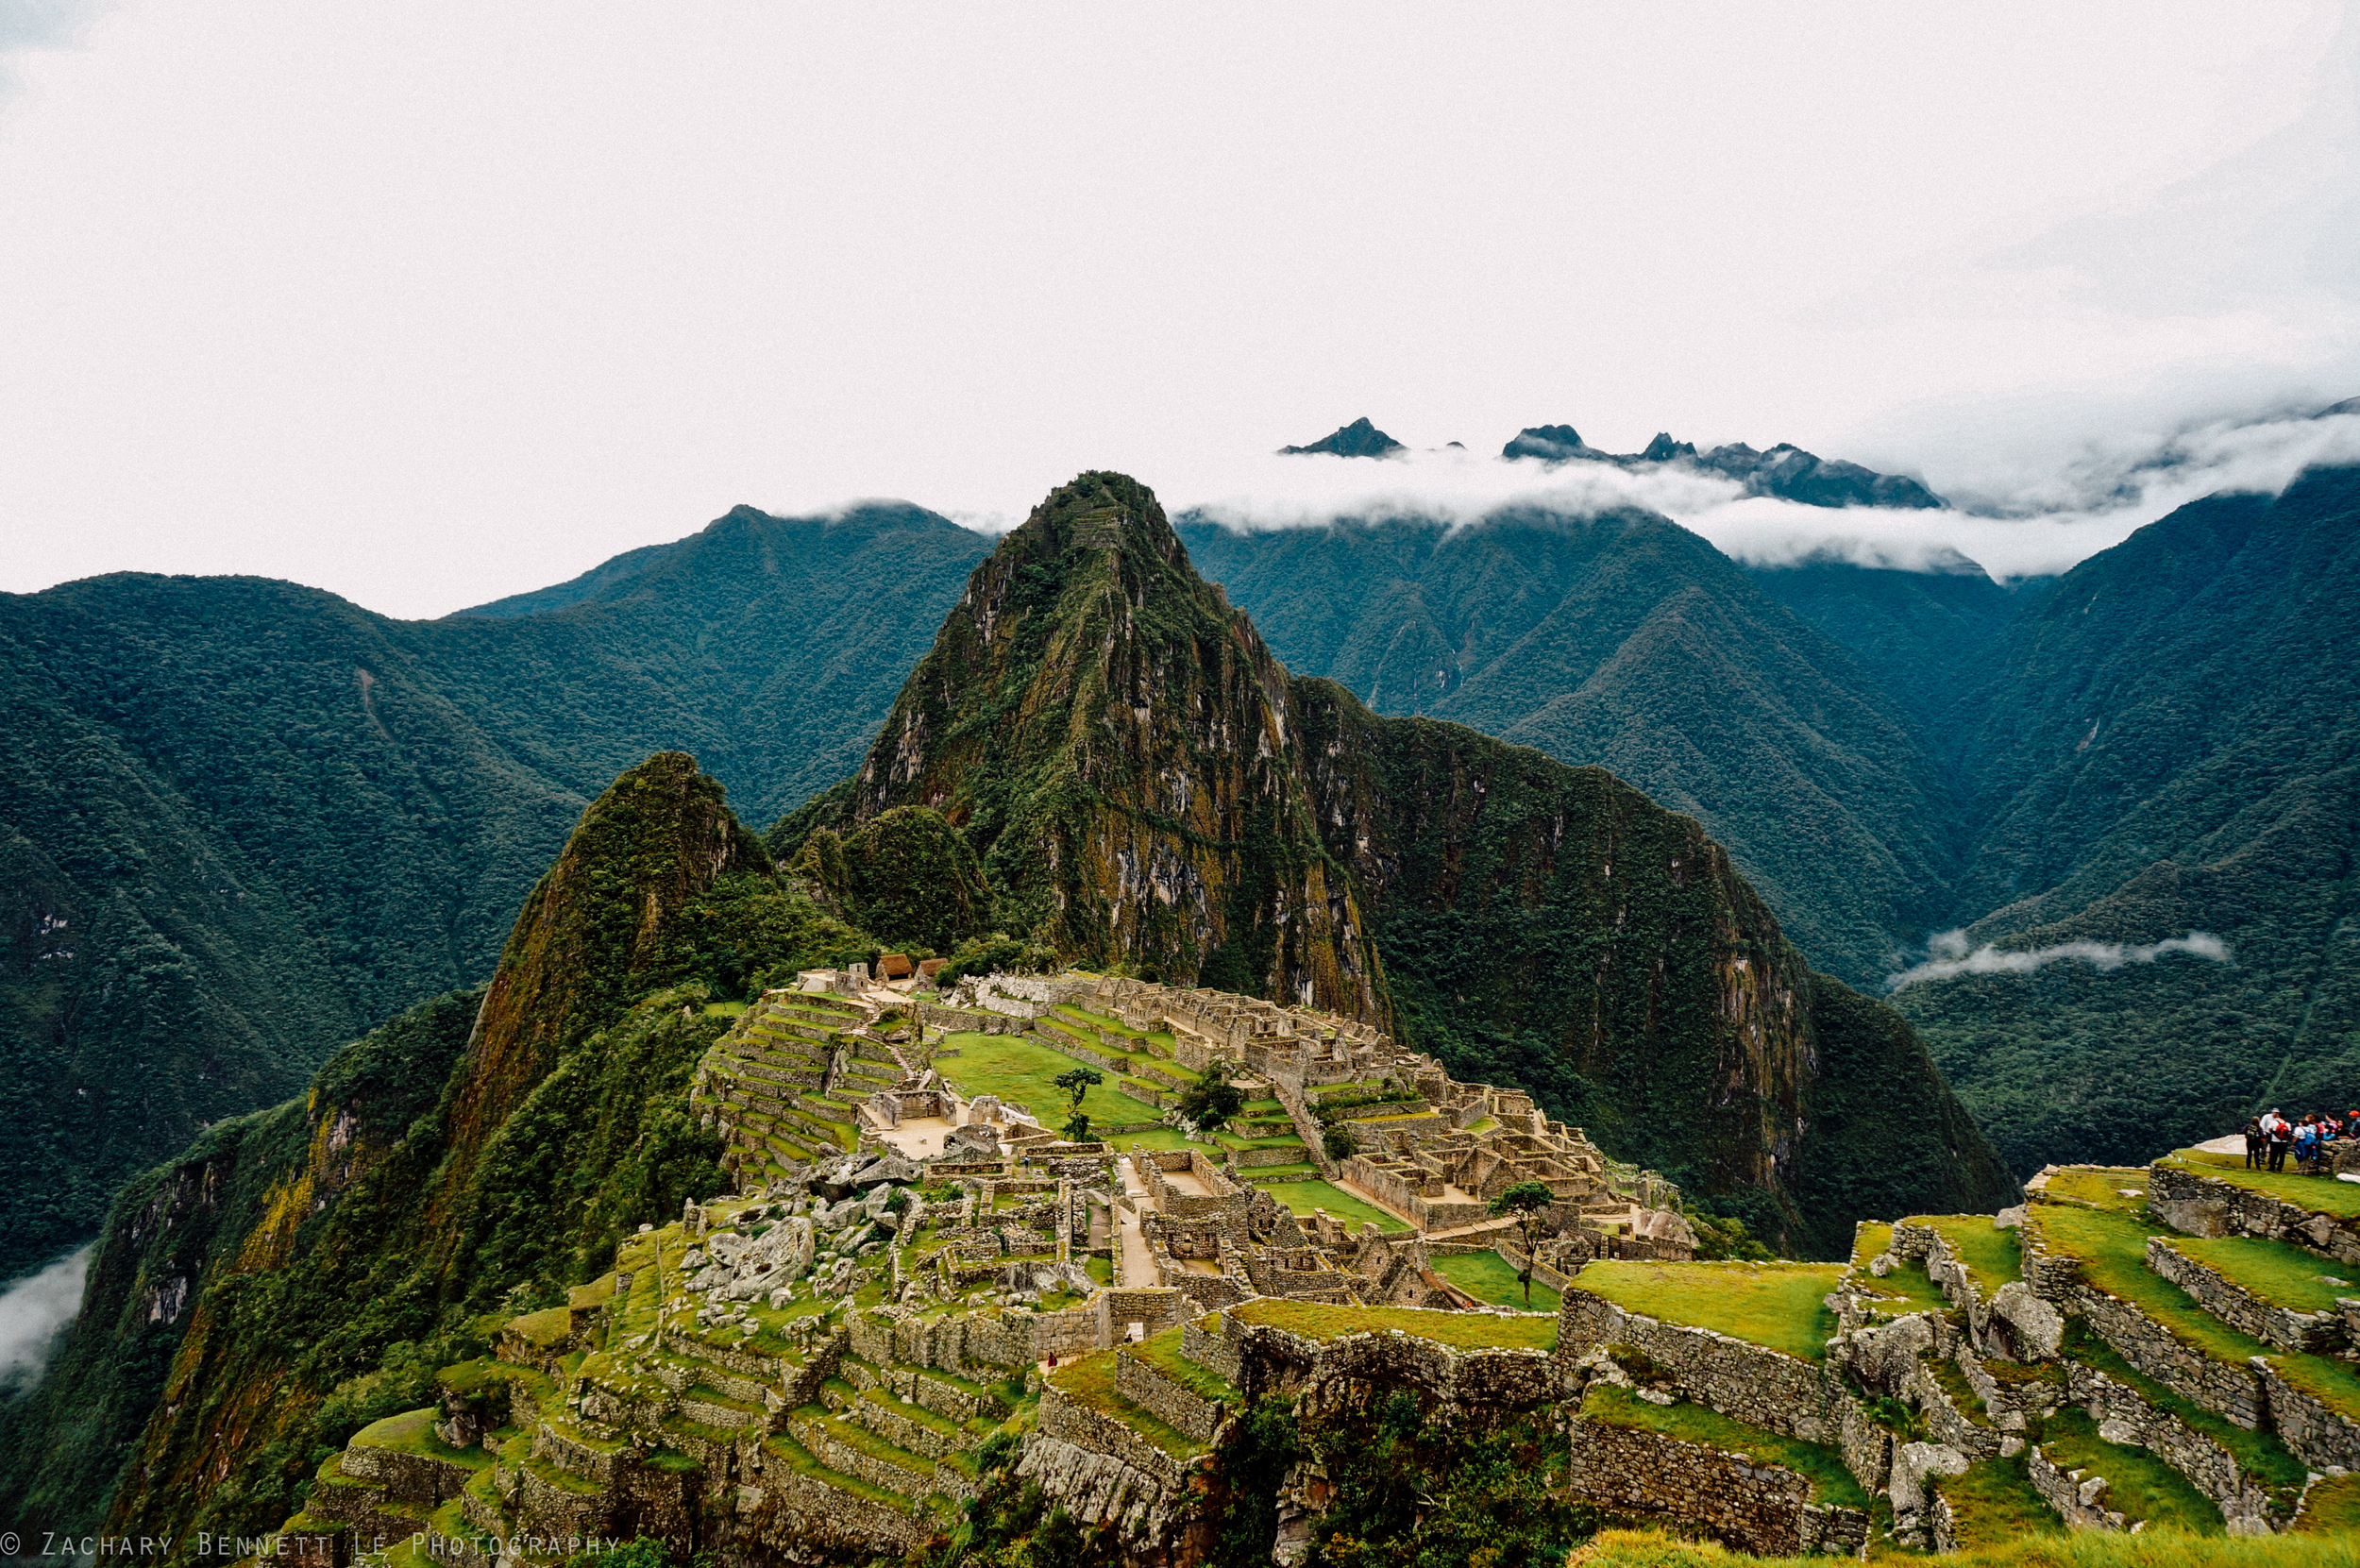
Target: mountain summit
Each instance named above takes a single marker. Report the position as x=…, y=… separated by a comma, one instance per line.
x=1146, y=785
x=1357, y=439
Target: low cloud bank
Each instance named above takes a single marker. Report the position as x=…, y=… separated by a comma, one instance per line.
x=33, y=1309
x=1951, y=956
x=2034, y=523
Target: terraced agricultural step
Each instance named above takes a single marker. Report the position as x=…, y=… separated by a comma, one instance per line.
x=710, y=1406
x=782, y=1448
x=911, y=1426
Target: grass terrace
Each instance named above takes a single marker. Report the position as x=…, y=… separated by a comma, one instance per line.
x=1016, y=1067
x=2333, y=1507
x=2112, y=1247
x=2322, y=1194
x=2156, y=1546
x=1778, y=1304
x=2279, y=1272
x=1818, y=1464
x=2139, y=1484
x=1993, y=1256
x=1303, y=1197
x=2260, y=1454
x=1091, y=1381
x=1995, y=1504
x=412, y=1432
x=1162, y=1352
x=1488, y=1276
x=2115, y=1187
x=1461, y=1330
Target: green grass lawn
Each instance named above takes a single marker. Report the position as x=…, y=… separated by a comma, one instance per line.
x=2324, y=1194
x=1463, y=1331
x=1995, y=1504
x=2111, y=1186
x=1303, y=1197
x=1488, y=1276
x=1017, y=1067
x=2112, y=1250
x=2279, y=1272
x=412, y=1432
x=1908, y=1285
x=1775, y=1305
x=2333, y=1507
x=1817, y=1464
x=1162, y=1352
x=2140, y=1484
x=1993, y=1256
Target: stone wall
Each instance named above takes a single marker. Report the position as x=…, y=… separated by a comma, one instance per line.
x=1063, y=1416
x=2240, y=1308
x=2234, y=1392
x=1352, y=1370
x=2081, y=1502
x=1205, y=1341
x=1146, y=1385
x=2320, y=1436
x=2122, y=1416
x=1754, y=1508
x=1155, y=1309
x=2205, y=1206
x=1744, y=1381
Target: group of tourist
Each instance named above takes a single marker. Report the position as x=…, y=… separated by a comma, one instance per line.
x=2269, y=1137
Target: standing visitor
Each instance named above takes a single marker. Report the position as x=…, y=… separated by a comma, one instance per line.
x=2281, y=1135
x=2256, y=1146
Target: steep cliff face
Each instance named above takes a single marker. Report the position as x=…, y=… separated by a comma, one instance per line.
x=301, y=1271
x=1114, y=741
x=1146, y=785
x=594, y=928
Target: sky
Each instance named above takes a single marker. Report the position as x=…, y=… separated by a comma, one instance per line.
x=429, y=304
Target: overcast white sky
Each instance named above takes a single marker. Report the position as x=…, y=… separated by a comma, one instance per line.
x=428, y=304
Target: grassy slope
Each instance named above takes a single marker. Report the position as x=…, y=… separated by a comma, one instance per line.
x=1774, y=1305
x=1016, y=1067
x=1488, y=1276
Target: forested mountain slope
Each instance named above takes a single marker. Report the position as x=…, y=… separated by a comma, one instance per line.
x=242, y=821
x=1625, y=641
x=299, y=1272
x=1144, y=783
x=2171, y=743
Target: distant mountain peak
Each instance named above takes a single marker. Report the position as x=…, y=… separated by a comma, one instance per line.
x=1553, y=443
x=1357, y=439
x=1785, y=470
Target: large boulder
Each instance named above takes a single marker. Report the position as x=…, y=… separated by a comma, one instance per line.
x=1885, y=1357
x=1912, y=1462
x=2035, y=1329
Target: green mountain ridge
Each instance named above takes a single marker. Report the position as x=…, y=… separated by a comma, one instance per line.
x=243, y=820
x=301, y=1271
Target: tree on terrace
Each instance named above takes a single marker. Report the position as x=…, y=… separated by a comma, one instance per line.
x=1527, y=1202
x=1077, y=1083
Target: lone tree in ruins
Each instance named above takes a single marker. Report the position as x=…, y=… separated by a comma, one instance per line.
x=1077, y=1083
x=1527, y=1202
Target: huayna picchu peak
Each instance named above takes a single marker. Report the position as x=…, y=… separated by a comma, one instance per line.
x=1145, y=786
